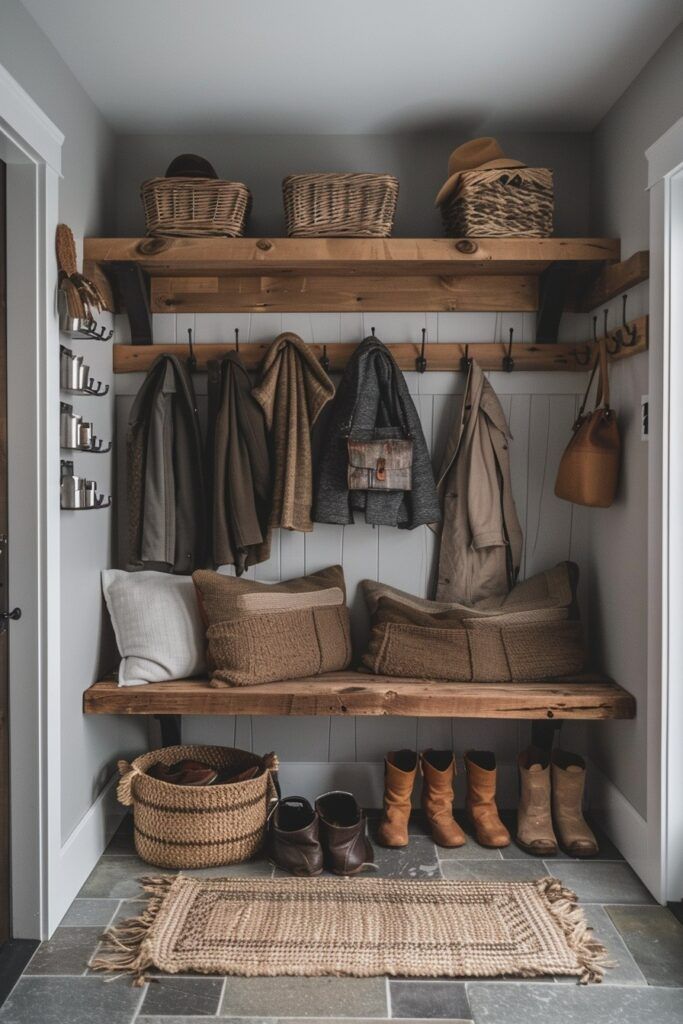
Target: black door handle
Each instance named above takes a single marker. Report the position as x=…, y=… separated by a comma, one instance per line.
x=6, y=616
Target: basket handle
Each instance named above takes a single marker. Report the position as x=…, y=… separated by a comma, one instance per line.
x=124, y=790
x=271, y=764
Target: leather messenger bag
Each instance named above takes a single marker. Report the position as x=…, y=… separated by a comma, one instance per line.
x=589, y=468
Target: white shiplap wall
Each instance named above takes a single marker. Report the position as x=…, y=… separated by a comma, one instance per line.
x=322, y=752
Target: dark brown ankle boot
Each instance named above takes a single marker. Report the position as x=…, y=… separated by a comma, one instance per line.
x=293, y=841
x=346, y=847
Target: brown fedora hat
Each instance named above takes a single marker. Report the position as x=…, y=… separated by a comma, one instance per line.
x=475, y=155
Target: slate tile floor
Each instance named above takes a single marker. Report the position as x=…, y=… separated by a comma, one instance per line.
x=644, y=939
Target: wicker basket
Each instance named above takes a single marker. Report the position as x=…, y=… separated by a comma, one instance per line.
x=340, y=205
x=197, y=826
x=195, y=207
x=501, y=202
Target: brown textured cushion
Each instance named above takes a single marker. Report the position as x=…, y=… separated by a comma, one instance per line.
x=449, y=642
x=261, y=632
x=554, y=588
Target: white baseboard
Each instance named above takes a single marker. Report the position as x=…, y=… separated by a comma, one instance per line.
x=627, y=829
x=80, y=853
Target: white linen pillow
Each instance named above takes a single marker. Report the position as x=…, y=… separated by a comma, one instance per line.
x=157, y=624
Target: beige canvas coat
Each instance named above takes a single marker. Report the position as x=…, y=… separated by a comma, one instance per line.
x=481, y=539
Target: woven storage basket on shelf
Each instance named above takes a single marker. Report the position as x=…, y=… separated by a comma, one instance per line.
x=194, y=207
x=505, y=202
x=340, y=205
x=197, y=826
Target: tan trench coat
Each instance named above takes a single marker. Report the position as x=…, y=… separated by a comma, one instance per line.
x=481, y=539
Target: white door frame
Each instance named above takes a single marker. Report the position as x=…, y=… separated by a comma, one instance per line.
x=30, y=145
x=665, y=547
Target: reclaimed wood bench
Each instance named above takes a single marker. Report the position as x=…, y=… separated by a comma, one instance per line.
x=587, y=696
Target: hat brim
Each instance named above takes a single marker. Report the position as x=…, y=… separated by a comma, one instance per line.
x=452, y=183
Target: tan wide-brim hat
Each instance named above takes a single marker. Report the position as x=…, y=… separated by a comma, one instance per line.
x=475, y=155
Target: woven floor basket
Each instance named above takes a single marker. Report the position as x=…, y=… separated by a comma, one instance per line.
x=197, y=826
x=340, y=205
x=195, y=207
x=501, y=202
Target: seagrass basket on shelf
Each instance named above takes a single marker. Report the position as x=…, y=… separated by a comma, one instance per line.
x=195, y=207
x=340, y=205
x=198, y=826
x=510, y=202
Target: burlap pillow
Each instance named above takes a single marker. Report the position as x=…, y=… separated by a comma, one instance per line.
x=264, y=632
x=449, y=642
x=554, y=588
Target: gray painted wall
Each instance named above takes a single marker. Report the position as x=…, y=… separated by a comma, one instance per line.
x=419, y=162
x=618, y=536
x=90, y=745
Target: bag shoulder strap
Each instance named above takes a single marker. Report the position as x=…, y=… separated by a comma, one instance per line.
x=602, y=394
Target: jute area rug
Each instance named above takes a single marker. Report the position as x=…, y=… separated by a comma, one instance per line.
x=359, y=927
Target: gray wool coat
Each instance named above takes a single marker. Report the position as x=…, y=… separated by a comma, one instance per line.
x=373, y=401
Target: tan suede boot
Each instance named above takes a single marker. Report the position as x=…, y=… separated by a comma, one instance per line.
x=534, y=822
x=482, y=811
x=438, y=771
x=400, y=768
x=569, y=781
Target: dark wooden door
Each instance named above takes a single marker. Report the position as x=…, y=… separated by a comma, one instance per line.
x=4, y=597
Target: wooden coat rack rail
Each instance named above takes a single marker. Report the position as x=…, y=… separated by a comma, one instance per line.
x=439, y=356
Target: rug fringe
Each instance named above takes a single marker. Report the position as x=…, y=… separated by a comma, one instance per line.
x=591, y=954
x=125, y=948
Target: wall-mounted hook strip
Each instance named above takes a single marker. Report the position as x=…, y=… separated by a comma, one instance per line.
x=191, y=359
x=325, y=360
x=465, y=361
x=420, y=361
x=508, y=361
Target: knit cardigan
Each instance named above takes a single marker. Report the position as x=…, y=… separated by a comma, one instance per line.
x=372, y=400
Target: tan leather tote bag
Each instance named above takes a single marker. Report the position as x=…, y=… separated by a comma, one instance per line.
x=589, y=468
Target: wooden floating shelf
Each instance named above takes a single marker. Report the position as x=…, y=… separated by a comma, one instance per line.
x=440, y=356
x=218, y=275
x=357, y=693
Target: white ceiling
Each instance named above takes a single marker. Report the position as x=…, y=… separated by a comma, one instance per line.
x=317, y=66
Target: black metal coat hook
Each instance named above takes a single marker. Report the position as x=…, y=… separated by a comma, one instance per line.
x=612, y=344
x=325, y=360
x=585, y=357
x=420, y=361
x=629, y=332
x=465, y=361
x=191, y=359
x=372, y=331
x=508, y=361
x=237, y=339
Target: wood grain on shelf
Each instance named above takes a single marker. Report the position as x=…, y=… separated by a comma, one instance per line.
x=425, y=256
x=615, y=279
x=325, y=293
x=357, y=693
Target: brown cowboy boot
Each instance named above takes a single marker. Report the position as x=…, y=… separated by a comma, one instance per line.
x=534, y=822
x=400, y=768
x=438, y=771
x=489, y=830
x=569, y=780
